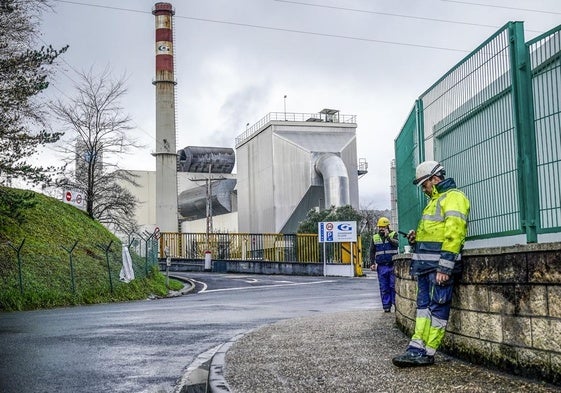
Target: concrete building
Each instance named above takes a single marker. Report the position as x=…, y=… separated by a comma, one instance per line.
x=291, y=163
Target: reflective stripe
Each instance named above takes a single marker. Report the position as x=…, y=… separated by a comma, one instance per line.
x=455, y=213
x=386, y=252
x=423, y=313
x=446, y=263
x=426, y=257
x=417, y=344
x=438, y=323
x=428, y=217
x=437, y=216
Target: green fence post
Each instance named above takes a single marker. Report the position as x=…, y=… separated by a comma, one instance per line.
x=106, y=250
x=18, y=252
x=523, y=114
x=69, y=251
x=146, y=254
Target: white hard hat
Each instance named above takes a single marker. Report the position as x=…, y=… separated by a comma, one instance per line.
x=425, y=170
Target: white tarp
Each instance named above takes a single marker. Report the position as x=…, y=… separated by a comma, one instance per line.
x=127, y=273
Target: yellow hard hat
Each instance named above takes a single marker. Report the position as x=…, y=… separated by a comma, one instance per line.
x=383, y=222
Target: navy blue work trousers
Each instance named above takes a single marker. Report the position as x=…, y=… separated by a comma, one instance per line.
x=386, y=279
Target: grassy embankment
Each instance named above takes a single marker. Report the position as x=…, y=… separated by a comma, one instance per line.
x=48, y=228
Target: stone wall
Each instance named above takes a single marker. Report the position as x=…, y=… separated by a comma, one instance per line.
x=506, y=310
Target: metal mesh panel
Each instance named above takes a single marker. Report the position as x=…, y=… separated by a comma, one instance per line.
x=469, y=128
x=409, y=199
x=545, y=59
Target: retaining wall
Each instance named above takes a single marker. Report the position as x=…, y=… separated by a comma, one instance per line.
x=506, y=310
x=248, y=266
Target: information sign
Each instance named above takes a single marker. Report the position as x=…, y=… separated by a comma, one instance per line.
x=337, y=231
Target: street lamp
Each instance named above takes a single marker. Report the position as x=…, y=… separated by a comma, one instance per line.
x=285, y=107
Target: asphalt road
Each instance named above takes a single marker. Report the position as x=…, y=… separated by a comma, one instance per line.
x=146, y=346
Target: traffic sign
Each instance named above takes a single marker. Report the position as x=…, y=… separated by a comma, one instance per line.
x=74, y=197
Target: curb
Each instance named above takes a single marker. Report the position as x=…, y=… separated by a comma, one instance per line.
x=216, y=380
x=186, y=288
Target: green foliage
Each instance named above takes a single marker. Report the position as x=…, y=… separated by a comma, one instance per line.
x=23, y=73
x=48, y=228
x=343, y=213
x=12, y=205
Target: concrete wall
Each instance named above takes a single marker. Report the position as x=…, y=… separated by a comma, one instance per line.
x=506, y=310
x=145, y=192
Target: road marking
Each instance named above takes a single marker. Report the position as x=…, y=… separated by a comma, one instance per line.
x=268, y=286
x=203, y=284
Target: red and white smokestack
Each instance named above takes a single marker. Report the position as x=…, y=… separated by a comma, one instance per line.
x=166, y=152
x=164, y=42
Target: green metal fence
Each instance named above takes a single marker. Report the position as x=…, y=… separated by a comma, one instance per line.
x=408, y=147
x=545, y=61
x=69, y=274
x=494, y=123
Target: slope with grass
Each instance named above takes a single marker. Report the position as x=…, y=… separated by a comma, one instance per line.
x=47, y=274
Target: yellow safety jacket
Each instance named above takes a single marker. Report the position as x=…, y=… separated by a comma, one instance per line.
x=442, y=231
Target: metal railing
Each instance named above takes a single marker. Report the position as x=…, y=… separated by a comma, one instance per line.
x=291, y=116
x=257, y=247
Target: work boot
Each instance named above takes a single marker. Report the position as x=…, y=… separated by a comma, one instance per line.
x=413, y=359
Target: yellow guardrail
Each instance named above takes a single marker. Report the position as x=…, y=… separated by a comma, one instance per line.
x=263, y=247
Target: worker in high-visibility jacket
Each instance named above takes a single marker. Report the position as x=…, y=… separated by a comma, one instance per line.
x=383, y=247
x=436, y=260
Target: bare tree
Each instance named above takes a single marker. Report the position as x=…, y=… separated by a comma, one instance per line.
x=95, y=118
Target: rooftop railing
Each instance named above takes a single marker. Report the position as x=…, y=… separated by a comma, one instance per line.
x=293, y=117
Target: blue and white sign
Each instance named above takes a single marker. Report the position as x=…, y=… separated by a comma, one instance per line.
x=337, y=231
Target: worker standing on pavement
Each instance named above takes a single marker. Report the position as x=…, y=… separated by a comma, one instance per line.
x=436, y=260
x=383, y=247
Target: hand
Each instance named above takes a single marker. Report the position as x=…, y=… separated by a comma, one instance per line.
x=442, y=278
x=411, y=236
x=383, y=232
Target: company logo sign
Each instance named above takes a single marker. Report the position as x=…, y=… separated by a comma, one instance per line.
x=337, y=231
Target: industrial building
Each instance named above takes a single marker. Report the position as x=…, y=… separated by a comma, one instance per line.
x=287, y=164
x=285, y=168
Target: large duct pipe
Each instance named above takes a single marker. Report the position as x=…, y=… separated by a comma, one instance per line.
x=165, y=154
x=198, y=158
x=335, y=179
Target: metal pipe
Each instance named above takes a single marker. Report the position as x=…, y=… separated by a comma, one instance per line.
x=335, y=179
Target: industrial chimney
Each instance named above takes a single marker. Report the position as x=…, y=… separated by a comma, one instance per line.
x=165, y=153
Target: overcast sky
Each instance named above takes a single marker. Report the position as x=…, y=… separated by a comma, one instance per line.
x=237, y=59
